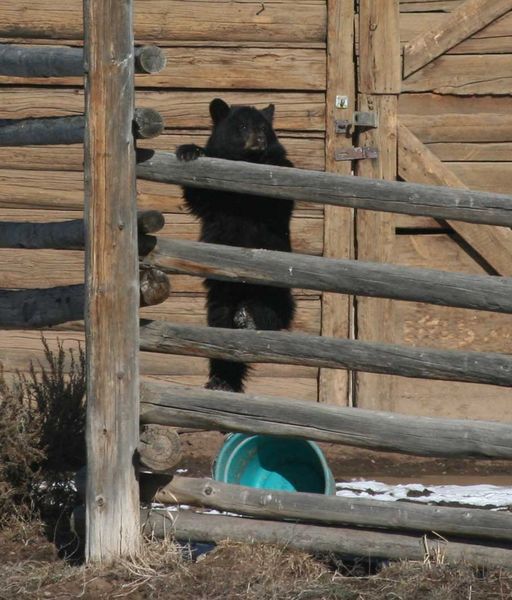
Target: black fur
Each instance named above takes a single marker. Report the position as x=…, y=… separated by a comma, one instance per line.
x=241, y=133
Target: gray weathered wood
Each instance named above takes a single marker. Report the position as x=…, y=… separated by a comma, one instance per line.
x=194, y=527
x=62, y=61
x=329, y=188
x=148, y=123
x=335, y=353
x=333, y=510
x=35, y=308
x=43, y=131
x=32, y=309
x=285, y=269
x=159, y=448
x=179, y=406
x=64, y=235
x=112, y=287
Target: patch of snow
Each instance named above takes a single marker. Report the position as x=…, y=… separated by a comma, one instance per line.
x=471, y=495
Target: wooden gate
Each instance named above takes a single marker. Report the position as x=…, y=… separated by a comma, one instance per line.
x=442, y=102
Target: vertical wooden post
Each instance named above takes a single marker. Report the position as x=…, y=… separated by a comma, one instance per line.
x=379, y=86
x=112, y=335
x=338, y=222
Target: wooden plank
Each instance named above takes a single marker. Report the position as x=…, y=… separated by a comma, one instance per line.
x=463, y=75
x=46, y=307
x=449, y=399
x=472, y=152
x=180, y=109
x=315, y=538
x=68, y=235
x=190, y=407
x=307, y=153
x=338, y=222
x=372, y=279
x=453, y=328
x=428, y=104
x=380, y=71
x=289, y=348
x=435, y=251
x=19, y=347
x=23, y=60
x=334, y=510
x=111, y=283
x=223, y=68
x=464, y=21
x=487, y=176
x=429, y=5
x=291, y=21
x=191, y=310
x=330, y=188
x=475, y=128
x=57, y=190
x=375, y=233
x=496, y=38
x=49, y=131
x=417, y=163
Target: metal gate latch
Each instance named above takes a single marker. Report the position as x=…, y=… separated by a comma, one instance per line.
x=363, y=120
x=356, y=153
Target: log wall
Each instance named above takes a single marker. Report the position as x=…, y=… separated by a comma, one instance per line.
x=244, y=52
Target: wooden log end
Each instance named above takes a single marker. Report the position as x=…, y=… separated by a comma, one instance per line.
x=159, y=448
x=149, y=59
x=155, y=287
x=150, y=221
x=148, y=123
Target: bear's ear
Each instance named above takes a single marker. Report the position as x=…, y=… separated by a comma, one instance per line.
x=268, y=112
x=219, y=110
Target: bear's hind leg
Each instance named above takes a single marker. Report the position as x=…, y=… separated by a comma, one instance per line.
x=222, y=304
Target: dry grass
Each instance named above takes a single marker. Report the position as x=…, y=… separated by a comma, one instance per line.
x=232, y=571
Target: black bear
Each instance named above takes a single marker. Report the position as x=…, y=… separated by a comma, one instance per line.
x=235, y=219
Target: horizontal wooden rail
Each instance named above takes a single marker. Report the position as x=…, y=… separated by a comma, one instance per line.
x=180, y=406
x=285, y=269
x=63, y=61
x=328, y=188
x=333, y=510
x=148, y=123
x=34, y=308
x=194, y=527
x=334, y=353
x=65, y=235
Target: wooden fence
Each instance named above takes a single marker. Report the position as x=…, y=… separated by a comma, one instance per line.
x=115, y=238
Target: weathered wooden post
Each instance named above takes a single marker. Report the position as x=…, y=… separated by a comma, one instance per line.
x=379, y=85
x=112, y=296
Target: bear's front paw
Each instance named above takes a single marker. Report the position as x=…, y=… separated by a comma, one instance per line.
x=189, y=152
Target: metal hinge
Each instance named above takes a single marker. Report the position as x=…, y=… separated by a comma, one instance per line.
x=356, y=153
x=360, y=119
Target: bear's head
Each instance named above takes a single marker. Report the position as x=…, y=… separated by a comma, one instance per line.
x=240, y=132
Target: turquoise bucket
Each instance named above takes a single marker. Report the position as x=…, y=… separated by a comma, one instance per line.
x=275, y=463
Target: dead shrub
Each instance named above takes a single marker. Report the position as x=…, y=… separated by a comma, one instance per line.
x=42, y=430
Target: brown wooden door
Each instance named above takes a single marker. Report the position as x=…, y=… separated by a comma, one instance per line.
x=444, y=113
